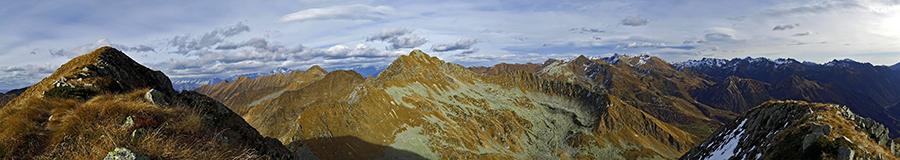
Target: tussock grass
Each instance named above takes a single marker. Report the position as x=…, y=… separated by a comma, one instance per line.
x=89, y=129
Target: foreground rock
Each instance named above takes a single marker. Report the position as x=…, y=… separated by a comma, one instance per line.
x=798, y=130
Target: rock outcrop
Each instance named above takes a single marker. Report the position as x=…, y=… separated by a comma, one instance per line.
x=798, y=130
x=78, y=112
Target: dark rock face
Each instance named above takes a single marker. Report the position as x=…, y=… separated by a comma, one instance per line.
x=797, y=130
x=879, y=83
x=736, y=94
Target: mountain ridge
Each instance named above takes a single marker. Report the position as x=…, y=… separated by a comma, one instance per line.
x=442, y=103
x=798, y=130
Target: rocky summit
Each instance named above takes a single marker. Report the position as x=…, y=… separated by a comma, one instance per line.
x=798, y=130
x=103, y=103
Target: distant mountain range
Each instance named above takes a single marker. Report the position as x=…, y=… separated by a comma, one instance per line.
x=194, y=83
x=869, y=90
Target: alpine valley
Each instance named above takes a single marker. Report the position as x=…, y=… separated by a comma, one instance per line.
x=421, y=107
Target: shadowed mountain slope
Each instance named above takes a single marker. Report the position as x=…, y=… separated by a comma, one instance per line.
x=735, y=93
x=104, y=101
x=869, y=90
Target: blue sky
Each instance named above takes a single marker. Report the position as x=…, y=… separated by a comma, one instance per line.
x=190, y=39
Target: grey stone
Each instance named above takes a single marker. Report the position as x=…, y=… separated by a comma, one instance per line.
x=825, y=129
x=810, y=138
x=845, y=153
x=156, y=97
x=123, y=153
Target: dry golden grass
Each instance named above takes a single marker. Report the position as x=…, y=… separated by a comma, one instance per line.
x=88, y=130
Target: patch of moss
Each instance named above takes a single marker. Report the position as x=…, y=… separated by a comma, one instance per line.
x=79, y=93
x=790, y=146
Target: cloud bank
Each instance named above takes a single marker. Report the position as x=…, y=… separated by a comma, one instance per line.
x=346, y=12
x=461, y=44
x=634, y=21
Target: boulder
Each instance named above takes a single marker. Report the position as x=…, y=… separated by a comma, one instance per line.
x=156, y=97
x=811, y=138
x=123, y=153
x=845, y=153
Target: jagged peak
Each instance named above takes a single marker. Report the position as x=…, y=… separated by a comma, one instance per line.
x=418, y=53
x=415, y=57
x=580, y=60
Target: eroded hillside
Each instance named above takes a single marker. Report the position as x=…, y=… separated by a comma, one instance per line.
x=421, y=106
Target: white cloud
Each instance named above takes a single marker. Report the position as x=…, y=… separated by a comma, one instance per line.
x=393, y=36
x=80, y=50
x=460, y=44
x=719, y=34
x=188, y=44
x=641, y=45
x=26, y=75
x=228, y=62
x=87, y=48
x=634, y=21
x=701, y=40
x=803, y=34
x=814, y=8
x=487, y=60
x=261, y=45
x=583, y=30
x=388, y=33
x=408, y=41
x=350, y=12
x=785, y=27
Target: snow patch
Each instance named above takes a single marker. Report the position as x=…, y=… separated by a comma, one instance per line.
x=730, y=145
